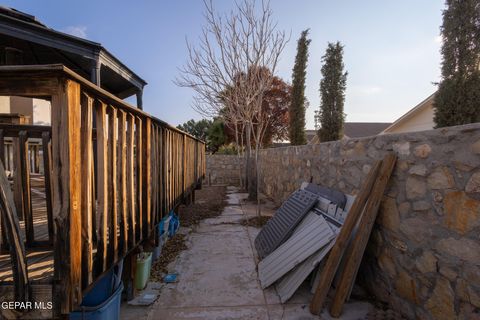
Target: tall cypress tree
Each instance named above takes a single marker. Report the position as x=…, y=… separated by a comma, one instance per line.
x=296, y=128
x=332, y=92
x=457, y=100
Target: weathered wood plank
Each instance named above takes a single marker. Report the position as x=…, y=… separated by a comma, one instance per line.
x=147, y=177
x=139, y=178
x=184, y=167
x=17, y=178
x=17, y=249
x=161, y=181
x=13, y=130
x=122, y=175
x=66, y=183
x=112, y=187
x=87, y=192
x=131, y=180
x=24, y=167
x=14, y=85
x=102, y=186
x=48, y=184
x=335, y=255
x=154, y=178
x=359, y=243
x=4, y=244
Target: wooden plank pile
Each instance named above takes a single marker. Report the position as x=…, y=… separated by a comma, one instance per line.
x=319, y=236
x=363, y=212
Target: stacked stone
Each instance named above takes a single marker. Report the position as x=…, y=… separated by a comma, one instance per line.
x=223, y=169
x=423, y=258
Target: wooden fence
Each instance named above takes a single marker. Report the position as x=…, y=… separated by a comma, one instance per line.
x=111, y=172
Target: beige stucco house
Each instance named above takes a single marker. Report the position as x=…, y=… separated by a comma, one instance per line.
x=419, y=118
x=35, y=111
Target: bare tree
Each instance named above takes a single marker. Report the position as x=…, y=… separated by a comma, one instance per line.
x=227, y=69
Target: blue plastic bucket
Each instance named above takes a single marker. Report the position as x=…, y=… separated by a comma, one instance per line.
x=101, y=291
x=109, y=309
x=104, y=287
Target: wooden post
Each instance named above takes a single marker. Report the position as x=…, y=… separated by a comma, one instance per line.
x=131, y=180
x=47, y=171
x=184, y=168
x=102, y=187
x=122, y=175
x=66, y=182
x=359, y=243
x=335, y=255
x=139, y=176
x=24, y=168
x=87, y=189
x=147, y=177
x=4, y=244
x=128, y=275
x=17, y=178
x=112, y=187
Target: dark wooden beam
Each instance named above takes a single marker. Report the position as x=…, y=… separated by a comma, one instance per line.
x=34, y=131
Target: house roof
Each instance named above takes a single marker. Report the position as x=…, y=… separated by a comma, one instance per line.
x=364, y=129
x=411, y=113
x=43, y=45
x=356, y=129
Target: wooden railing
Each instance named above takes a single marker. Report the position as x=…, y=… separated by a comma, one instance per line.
x=115, y=171
x=20, y=155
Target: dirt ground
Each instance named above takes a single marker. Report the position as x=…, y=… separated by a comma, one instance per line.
x=209, y=203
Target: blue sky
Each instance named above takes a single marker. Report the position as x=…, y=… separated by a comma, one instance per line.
x=391, y=47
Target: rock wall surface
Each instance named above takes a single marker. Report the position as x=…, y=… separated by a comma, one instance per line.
x=423, y=257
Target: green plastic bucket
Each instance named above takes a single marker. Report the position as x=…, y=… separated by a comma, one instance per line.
x=142, y=274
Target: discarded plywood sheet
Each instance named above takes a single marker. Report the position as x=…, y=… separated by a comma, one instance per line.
x=311, y=235
x=281, y=226
x=292, y=281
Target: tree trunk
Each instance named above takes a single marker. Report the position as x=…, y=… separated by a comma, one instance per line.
x=250, y=175
x=257, y=180
x=240, y=180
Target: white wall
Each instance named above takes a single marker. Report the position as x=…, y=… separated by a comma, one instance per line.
x=420, y=120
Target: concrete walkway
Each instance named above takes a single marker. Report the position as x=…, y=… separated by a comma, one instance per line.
x=218, y=277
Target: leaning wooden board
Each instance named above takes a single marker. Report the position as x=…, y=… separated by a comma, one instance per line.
x=359, y=243
x=15, y=243
x=335, y=256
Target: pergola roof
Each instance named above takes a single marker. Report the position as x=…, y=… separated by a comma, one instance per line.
x=43, y=45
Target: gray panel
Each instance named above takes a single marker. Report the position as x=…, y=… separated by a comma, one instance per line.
x=311, y=235
x=333, y=195
x=287, y=286
x=282, y=224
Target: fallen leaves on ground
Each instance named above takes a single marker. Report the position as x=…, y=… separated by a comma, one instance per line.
x=258, y=221
x=209, y=203
x=169, y=252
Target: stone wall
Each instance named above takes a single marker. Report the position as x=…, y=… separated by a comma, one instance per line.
x=423, y=257
x=223, y=170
